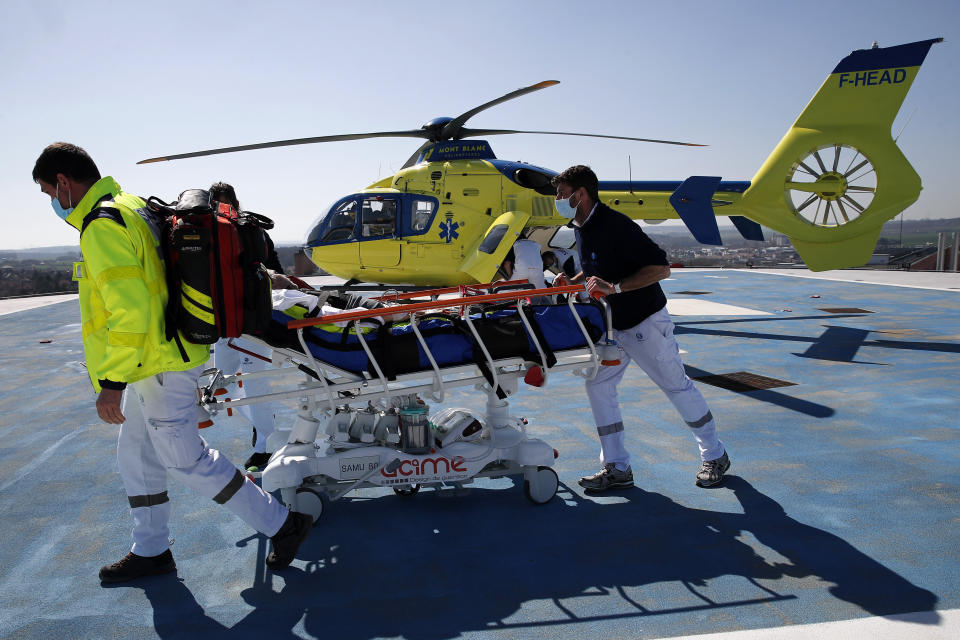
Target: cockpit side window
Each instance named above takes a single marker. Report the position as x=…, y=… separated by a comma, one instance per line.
x=378, y=217
x=343, y=222
x=422, y=214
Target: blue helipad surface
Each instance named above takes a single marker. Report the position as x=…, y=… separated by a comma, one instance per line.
x=843, y=501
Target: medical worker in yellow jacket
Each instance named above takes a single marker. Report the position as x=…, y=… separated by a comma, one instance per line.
x=146, y=383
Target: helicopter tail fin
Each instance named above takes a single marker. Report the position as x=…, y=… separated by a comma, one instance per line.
x=838, y=175
x=692, y=202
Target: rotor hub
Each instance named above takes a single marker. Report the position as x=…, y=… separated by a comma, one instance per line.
x=831, y=185
x=435, y=128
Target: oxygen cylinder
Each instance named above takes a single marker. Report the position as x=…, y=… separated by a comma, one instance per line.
x=415, y=433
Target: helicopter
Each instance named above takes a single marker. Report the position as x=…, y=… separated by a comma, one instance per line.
x=452, y=212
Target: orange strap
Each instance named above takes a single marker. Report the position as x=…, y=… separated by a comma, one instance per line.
x=433, y=304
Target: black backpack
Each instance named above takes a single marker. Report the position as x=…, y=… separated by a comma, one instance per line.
x=217, y=280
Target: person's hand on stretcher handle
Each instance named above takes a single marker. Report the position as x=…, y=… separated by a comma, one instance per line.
x=596, y=287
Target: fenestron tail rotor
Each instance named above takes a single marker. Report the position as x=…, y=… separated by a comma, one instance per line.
x=436, y=130
x=831, y=186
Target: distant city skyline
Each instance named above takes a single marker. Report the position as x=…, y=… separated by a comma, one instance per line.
x=670, y=234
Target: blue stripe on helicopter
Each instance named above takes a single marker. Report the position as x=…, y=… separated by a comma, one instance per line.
x=730, y=186
x=904, y=55
x=506, y=165
x=509, y=169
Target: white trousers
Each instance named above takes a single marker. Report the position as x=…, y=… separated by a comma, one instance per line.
x=230, y=361
x=160, y=438
x=652, y=346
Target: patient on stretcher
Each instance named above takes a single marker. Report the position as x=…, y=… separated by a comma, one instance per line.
x=327, y=303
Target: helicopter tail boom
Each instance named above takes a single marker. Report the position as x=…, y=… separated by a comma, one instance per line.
x=838, y=172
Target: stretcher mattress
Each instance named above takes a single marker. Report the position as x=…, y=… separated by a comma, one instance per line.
x=397, y=350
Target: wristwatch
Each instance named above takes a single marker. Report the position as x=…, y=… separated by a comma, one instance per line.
x=616, y=288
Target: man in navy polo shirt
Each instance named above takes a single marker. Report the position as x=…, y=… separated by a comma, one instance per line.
x=620, y=261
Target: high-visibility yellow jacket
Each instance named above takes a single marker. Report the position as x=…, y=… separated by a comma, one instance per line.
x=123, y=292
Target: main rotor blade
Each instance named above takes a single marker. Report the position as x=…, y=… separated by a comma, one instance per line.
x=452, y=128
x=472, y=133
x=413, y=133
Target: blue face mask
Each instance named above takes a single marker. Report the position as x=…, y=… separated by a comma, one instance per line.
x=564, y=208
x=58, y=208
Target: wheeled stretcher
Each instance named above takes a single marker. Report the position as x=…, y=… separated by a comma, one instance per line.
x=362, y=389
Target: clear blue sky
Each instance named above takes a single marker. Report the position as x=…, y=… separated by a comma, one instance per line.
x=131, y=80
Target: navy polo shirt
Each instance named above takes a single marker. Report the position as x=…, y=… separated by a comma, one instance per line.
x=614, y=247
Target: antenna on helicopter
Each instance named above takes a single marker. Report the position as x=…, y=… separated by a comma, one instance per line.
x=909, y=118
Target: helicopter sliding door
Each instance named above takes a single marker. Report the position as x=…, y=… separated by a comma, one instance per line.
x=379, y=245
x=482, y=264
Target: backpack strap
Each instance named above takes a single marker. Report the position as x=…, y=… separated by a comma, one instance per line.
x=103, y=209
x=259, y=220
x=99, y=211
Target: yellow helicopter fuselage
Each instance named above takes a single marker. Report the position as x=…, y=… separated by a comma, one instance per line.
x=479, y=207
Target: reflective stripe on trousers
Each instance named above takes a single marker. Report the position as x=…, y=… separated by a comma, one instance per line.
x=652, y=346
x=160, y=437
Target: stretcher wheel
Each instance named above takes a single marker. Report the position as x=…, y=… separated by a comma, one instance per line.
x=541, y=486
x=309, y=502
x=407, y=491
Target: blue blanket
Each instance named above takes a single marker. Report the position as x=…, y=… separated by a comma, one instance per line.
x=397, y=350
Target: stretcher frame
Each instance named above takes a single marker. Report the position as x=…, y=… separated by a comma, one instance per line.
x=309, y=471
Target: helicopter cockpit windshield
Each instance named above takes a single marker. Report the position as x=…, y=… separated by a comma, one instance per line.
x=371, y=216
x=341, y=223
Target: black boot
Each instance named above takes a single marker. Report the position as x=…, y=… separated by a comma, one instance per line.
x=133, y=566
x=288, y=539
